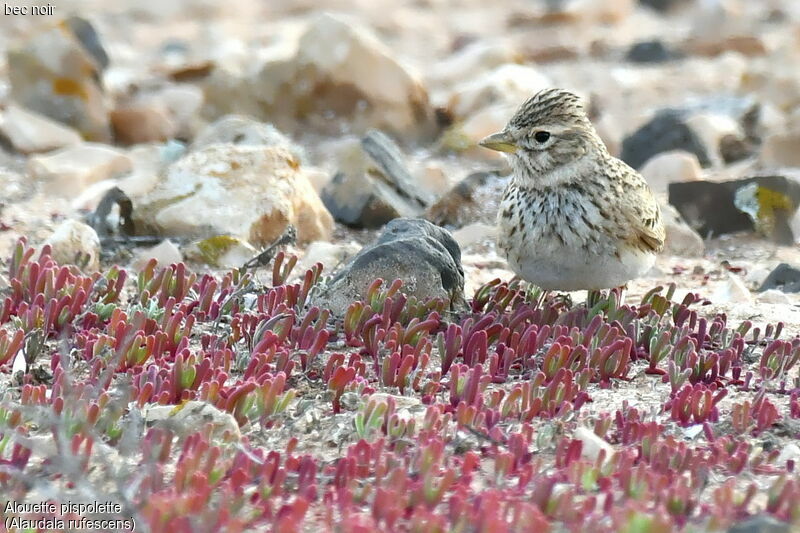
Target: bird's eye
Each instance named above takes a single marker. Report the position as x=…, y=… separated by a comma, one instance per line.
x=541, y=136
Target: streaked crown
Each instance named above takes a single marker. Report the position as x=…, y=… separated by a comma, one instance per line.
x=550, y=106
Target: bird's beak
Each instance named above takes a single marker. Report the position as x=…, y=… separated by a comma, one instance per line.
x=502, y=142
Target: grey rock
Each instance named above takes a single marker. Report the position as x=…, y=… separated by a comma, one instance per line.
x=424, y=256
x=784, y=277
x=665, y=132
x=654, y=51
x=760, y=524
x=767, y=203
x=662, y=5
x=387, y=155
x=373, y=186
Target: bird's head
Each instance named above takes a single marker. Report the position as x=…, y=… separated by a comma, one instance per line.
x=548, y=132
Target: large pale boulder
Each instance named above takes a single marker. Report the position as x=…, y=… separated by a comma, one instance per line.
x=250, y=192
x=342, y=70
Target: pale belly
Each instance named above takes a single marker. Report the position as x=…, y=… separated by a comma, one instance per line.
x=568, y=269
x=558, y=247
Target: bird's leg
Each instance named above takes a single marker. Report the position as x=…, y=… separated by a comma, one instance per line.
x=564, y=298
x=593, y=297
x=620, y=292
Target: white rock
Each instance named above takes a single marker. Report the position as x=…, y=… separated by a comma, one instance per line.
x=670, y=167
x=165, y=252
x=73, y=240
x=789, y=452
x=732, y=291
x=30, y=132
x=250, y=192
x=70, y=170
x=475, y=233
x=509, y=84
x=331, y=255
x=592, y=444
x=773, y=296
x=711, y=128
x=757, y=275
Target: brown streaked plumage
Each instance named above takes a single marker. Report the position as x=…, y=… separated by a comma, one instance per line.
x=573, y=217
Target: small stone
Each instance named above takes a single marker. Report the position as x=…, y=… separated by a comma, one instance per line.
x=425, y=257
x=784, y=277
x=667, y=131
x=680, y=239
x=789, y=452
x=221, y=251
x=249, y=192
x=142, y=124
x=70, y=170
x=733, y=291
x=56, y=74
x=650, y=52
x=670, y=167
x=663, y=5
x=74, y=242
x=592, y=444
x=30, y=132
x=165, y=252
x=475, y=233
x=761, y=524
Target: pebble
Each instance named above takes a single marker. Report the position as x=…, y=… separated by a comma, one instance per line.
x=29, y=132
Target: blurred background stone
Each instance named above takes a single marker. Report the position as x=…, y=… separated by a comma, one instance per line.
x=57, y=72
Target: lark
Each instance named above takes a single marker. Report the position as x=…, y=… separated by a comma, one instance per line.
x=573, y=216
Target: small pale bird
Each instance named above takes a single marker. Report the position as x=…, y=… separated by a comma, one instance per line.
x=573, y=216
